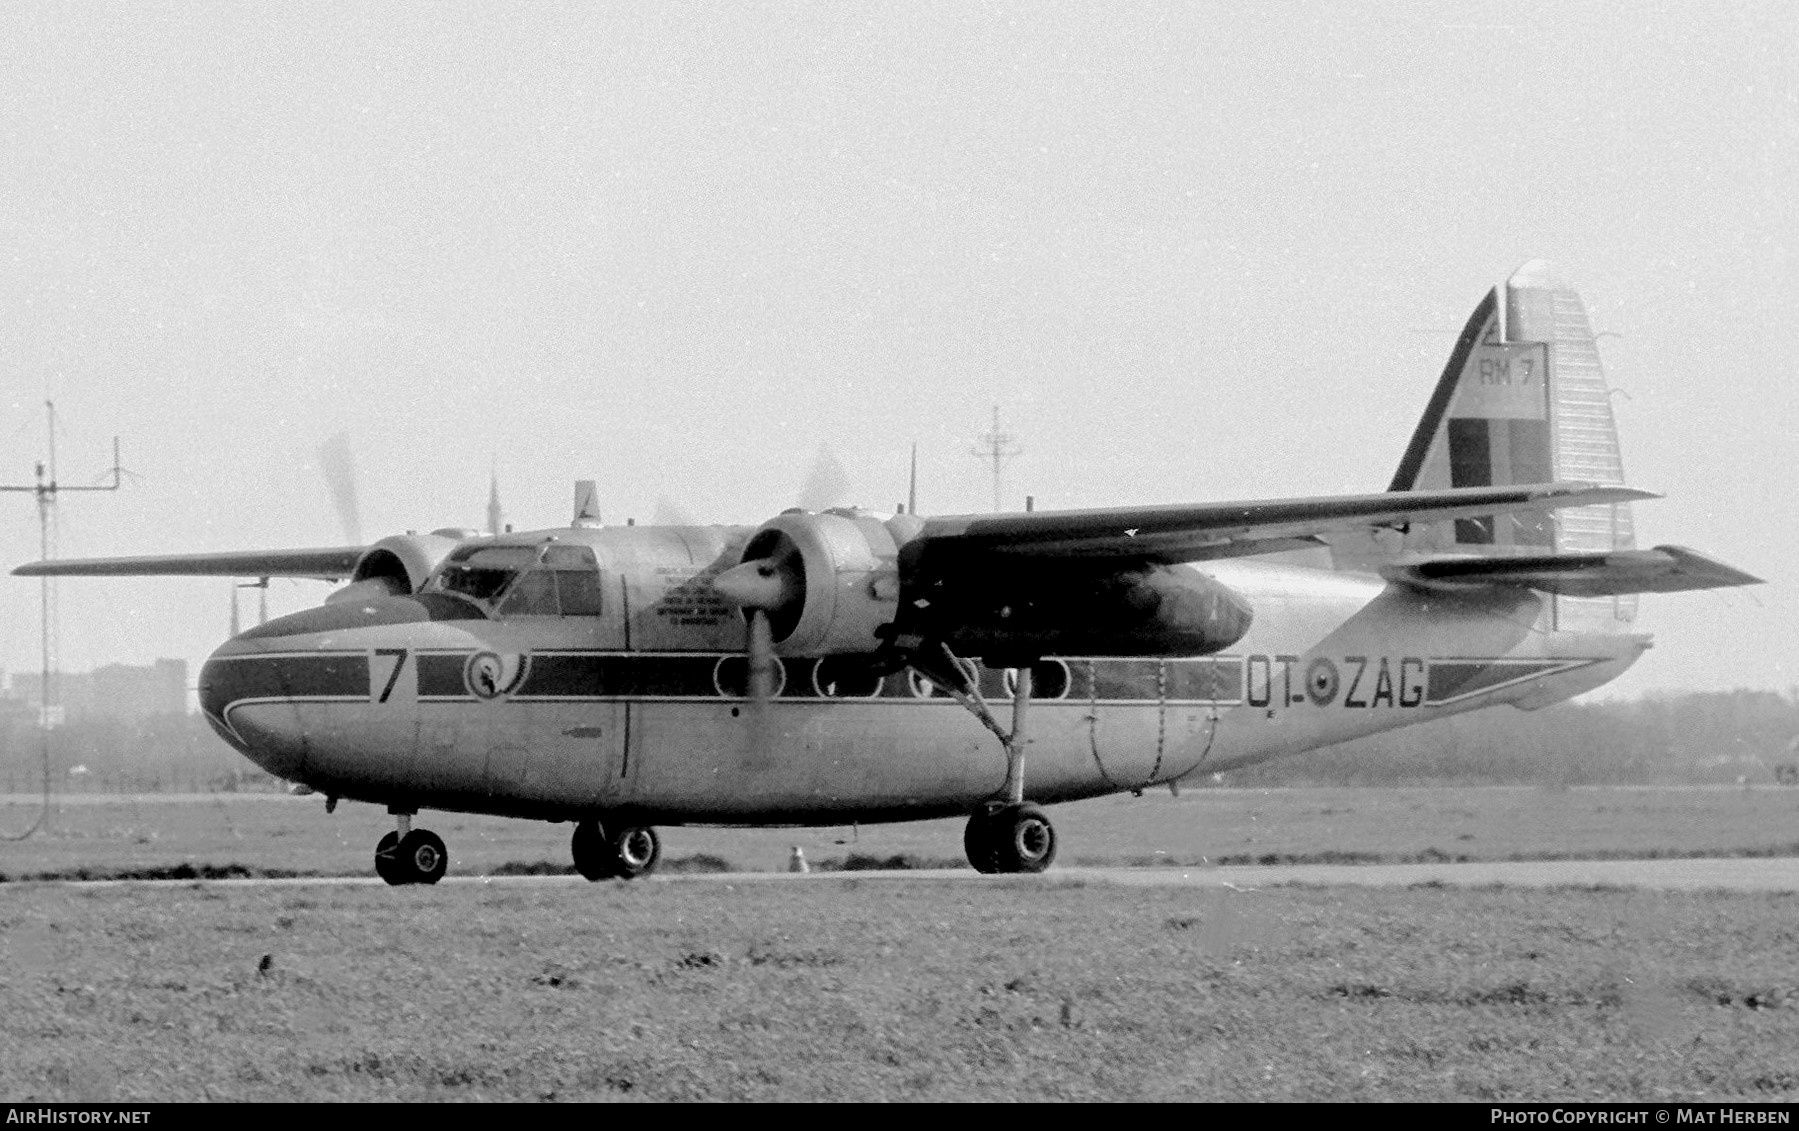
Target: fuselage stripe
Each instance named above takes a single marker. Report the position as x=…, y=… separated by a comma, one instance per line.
x=572, y=677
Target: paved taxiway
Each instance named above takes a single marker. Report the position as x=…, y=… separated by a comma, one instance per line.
x=1764, y=874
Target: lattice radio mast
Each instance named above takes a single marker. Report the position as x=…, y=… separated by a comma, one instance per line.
x=996, y=449
x=46, y=489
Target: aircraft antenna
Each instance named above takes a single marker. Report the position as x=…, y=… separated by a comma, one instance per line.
x=46, y=488
x=996, y=448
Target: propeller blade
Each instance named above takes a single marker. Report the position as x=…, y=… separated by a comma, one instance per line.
x=668, y=513
x=827, y=485
x=339, y=468
x=762, y=660
x=758, y=753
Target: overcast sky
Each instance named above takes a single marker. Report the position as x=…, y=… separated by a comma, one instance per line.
x=1194, y=251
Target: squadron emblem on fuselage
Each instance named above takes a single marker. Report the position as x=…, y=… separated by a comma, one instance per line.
x=490, y=675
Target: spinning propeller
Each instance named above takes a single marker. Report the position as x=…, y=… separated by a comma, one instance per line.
x=339, y=468
x=769, y=585
x=827, y=485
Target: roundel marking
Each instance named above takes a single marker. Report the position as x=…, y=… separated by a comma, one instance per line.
x=490, y=675
x=1321, y=681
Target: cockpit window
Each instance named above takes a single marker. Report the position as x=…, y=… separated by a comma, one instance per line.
x=533, y=596
x=559, y=581
x=483, y=572
x=578, y=591
x=530, y=581
x=577, y=579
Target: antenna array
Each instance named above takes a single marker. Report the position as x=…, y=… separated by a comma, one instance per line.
x=996, y=448
x=46, y=489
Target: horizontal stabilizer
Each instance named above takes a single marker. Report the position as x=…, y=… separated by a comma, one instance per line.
x=1665, y=569
x=326, y=563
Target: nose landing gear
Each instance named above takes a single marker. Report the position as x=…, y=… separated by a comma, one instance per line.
x=411, y=856
x=623, y=852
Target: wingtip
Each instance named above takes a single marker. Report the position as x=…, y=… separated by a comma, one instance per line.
x=1723, y=576
x=1605, y=492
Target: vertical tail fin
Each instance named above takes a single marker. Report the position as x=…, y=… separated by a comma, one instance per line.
x=1524, y=400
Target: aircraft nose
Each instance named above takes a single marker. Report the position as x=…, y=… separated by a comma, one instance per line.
x=272, y=706
x=274, y=691
x=238, y=696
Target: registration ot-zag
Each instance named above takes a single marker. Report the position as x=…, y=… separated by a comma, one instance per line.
x=847, y=666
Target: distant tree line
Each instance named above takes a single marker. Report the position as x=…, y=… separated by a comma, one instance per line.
x=1722, y=737
x=159, y=754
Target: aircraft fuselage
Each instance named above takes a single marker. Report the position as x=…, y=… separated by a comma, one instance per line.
x=636, y=708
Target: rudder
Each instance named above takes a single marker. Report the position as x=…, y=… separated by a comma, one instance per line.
x=1524, y=400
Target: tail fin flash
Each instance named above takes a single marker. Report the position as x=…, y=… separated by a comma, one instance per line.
x=1524, y=400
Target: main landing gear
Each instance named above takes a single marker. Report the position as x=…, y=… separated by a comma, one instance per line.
x=411, y=856
x=623, y=852
x=1006, y=834
x=1009, y=838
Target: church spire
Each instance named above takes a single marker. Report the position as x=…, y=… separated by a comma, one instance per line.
x=495, y=516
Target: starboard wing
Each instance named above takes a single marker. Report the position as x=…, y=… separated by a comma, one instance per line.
x=1198, y=532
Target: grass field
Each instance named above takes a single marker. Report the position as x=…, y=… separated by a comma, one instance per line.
x=847, y=988
x=842, y=987
x=274, y=833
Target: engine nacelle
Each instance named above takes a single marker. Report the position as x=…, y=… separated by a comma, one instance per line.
x=1009, y=614
x=395, y=566
x=831, y=583
x=839, y=579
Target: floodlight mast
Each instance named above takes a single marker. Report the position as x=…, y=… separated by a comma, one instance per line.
x=46, y=489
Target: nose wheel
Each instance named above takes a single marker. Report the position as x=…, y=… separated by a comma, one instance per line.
x=1010, y=839
x=625, y=852
x=411, y=856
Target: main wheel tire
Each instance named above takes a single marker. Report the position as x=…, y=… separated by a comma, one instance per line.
x=978, y=842
x=387, y=860
x=422, y=857
x=594, y=858
x=1023, y=839
x=635, y=852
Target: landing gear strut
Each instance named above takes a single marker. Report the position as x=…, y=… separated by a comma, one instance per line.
x=1006, y=834
x=409, y=855
x=623, y=852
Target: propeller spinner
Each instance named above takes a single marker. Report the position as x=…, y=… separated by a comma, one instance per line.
x=769, y=585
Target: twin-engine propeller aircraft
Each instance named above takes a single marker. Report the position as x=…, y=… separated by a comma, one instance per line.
x=842, y=667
